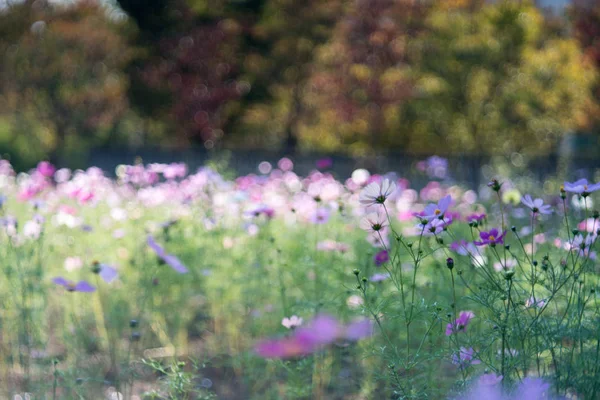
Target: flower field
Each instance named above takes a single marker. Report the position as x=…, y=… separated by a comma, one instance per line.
x=164, y=283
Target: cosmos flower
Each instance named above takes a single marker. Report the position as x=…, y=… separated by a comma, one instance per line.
x=324, y=163
x=537, y=206
x=320, y=216
x=374, y=222
x=45, y=169
x=532, y=302
x=379, y=277
x=581, y=187
x=476, y=218
x=437, y=210
x=323, y=330
x=461, y=323
x=464, y=358
x=169, y=259
x=291, y=322
x=105, y=271
x=381, y=257
x=492, y=238
x=507, y=265
x=81, y=286
x=377, y=193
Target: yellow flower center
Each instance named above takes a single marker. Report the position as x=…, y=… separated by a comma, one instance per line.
x=437, y=211
x=492, y=238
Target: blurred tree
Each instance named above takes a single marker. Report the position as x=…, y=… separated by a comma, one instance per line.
x=190, y=70
x=586, y=16
x=61, y=71
x=290, y=32
x=365, y=75
x=489, y=82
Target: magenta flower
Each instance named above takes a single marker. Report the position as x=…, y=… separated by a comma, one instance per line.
x=171, y=260
x=461, y=323
x=478, y=218
x=493, y=237
x=81, y=286
x=381, y=257
x=324, y=163
x=46, y=169
x=322, y=331
x=537, y=206
x=437, y=210
x=581, y=187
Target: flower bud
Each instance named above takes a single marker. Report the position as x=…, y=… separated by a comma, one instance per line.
x=450, y=262
x=96, y=267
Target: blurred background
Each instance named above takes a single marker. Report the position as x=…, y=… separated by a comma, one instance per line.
x=386, y=82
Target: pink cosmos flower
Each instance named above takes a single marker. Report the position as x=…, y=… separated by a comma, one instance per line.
x=45, y=169
x=461, y=323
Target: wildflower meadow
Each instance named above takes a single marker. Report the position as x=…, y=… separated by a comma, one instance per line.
x=164, y=283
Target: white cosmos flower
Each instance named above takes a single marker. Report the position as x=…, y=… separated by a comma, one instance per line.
x=537, y=205
x=374, y=222
x=292, y=322
x=377, y=193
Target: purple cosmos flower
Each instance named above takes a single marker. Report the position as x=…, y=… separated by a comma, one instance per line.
x=493, y=237
x=486, y=388
x=169, y=259
x=81, y=286
x=324, y=163
x=263, y=209
x=532, y=389
x=581, y=187
x=320, y=216
x=461, y=323
x=381, y=257
x=478, y=218
x=537, y=206
x=532, y=302
x=379, y=277
x=322, y=331
x=376, y=193
x=107, y=273
x=437, y=210
x=358, y=329
x=464, y=358
x=435, y=227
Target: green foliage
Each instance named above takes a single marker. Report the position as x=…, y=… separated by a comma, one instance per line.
x=492, y=83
